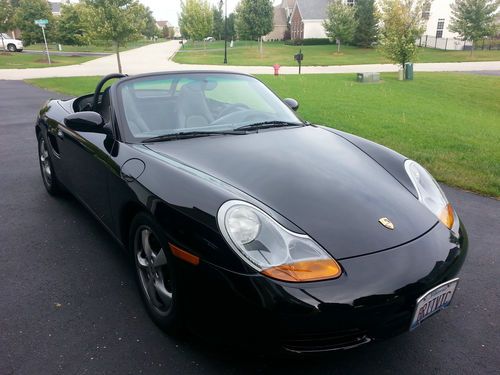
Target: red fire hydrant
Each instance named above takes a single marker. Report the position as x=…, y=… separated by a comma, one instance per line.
x=276, y=69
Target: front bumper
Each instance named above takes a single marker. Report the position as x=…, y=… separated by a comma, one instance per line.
x=373, y=299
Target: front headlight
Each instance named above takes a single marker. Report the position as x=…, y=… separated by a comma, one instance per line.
x=270, y=248
x=429, y=193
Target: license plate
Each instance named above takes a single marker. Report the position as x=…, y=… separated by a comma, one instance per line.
x=433, y=301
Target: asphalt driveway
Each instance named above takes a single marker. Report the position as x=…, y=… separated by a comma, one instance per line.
x=69, y=305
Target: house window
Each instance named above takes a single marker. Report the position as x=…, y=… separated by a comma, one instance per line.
x=440, y=28
x=426, y=11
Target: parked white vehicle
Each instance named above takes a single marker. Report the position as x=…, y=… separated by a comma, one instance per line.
x=9, y=44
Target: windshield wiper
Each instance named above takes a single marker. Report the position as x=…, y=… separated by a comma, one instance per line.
x=269, y=124
x=193, y=134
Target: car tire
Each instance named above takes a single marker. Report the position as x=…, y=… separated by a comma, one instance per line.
x=12, y=48
x=49, y=178
x=155, y=273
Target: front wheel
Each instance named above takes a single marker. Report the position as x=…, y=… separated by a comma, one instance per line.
x=12, y=48
x=46, y=167
x=155, y=273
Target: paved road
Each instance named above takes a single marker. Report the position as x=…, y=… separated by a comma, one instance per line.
x=64, y=53
x=68, y=303
x=156, y=57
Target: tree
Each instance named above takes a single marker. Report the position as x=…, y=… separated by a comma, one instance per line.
x=70, y=26
x=254, y=19
x=231, y=29
x=6, y=18
x=341, y=22
x=218, y=22
x=26, y=14
x=474, y=19
x=402, y=25
x=366, y=33
x=196, y=19
x=117, y=21
x=150, y=29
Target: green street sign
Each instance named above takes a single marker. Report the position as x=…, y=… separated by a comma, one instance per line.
x=41, y=22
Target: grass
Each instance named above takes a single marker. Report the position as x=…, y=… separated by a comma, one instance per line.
x=455, y=136
x=247, y=53
x=101, y=47
x=23, y=60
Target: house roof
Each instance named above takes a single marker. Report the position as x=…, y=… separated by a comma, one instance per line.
x=280, y=18
x=55, y=7
x=288, y=4
x=313, y=9
x=162, y=24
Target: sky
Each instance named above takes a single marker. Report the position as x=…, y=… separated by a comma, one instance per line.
x=167, y=10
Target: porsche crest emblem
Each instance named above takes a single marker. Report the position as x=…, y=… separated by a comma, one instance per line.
x=386, y=223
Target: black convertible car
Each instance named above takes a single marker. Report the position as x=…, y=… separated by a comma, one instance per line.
x=245, y=221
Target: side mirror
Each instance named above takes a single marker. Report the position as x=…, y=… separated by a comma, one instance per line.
x=90, y=122
x=292, y=103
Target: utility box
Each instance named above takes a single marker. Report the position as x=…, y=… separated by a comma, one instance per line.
x=409, y=71
x=368, y=77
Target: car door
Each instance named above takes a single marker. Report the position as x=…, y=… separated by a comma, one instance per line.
x=88, y=161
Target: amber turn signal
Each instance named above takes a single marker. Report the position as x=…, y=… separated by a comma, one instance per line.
x=184, y=255
x=309, y=270
x=447, y=216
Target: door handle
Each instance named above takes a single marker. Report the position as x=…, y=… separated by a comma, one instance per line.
x=60, y=134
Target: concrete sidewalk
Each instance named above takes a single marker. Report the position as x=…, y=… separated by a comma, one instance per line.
x=156, y=57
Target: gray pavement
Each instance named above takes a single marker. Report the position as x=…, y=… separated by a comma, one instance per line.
x=69, y=305
x=63, y=53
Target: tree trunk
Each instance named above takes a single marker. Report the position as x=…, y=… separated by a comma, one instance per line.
x=338, y=46
x=261, y=47
x=472, y=48
x=117, y=45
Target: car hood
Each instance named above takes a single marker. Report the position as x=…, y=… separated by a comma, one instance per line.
x=316, y=179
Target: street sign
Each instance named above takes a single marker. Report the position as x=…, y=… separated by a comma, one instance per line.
x=42, y=23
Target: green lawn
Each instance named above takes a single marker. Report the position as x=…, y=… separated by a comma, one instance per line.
x=102, y=47
x=24, y=60
x=449, y=122
x=247, y=53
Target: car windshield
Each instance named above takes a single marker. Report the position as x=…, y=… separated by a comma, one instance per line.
x=198, y=103
x=5, y=36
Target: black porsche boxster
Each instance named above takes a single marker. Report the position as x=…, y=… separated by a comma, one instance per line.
x=245, y=221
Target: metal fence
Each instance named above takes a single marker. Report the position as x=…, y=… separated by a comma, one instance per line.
x=452, y=44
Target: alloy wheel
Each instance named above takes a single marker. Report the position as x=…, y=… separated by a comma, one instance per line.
x=45, y=162
x=153, y=270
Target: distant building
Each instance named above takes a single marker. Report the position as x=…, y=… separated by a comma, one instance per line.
x=438, y=18
x=307, y=19
x=280, y=24
x=162, y=24
x=55, y=6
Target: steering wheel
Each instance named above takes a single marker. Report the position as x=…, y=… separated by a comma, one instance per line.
x=233, y=108
x=242, y=116
x=100, y=85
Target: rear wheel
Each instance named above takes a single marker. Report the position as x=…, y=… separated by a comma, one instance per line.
x=155, y=273
x=46, y=168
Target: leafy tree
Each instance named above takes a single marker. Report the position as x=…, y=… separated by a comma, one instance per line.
x=341, y=22
x=150, y=29
x=218, y=23
x=366, y=33
x=402, y=24
x=26, y=14
x=117, y=21
x=474, y=19
x=196, y=19
x=231, y=29
x=6, y=19
x=70, y=26
x=254, y=19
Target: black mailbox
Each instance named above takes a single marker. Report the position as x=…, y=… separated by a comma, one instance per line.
x=299, y=57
